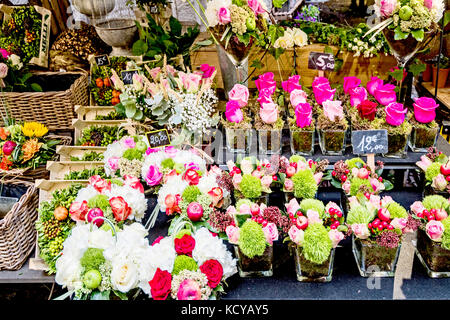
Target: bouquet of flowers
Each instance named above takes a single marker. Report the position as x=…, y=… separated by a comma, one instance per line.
x=187, y=266
x=117, y=200
x=436, y=167
x=14, y=76
x=100, y=263
x=125, y=156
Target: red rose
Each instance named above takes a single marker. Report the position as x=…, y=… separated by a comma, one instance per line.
x=160, y=285
x=134, y=182
x=78, y=210
x=185, y=245
x=367, y=109
x=191, y=176
x=120, y=208
x=213, y=271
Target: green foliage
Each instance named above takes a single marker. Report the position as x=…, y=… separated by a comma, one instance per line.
x=313, y=204
x=435, y=202
x=354, y=163
x=305, y=185
x=99, y=201
x=397, y=211
x=359, y=214
x=191, y=193
x=356, y=183
x=85, y=174
x=252, y=241
x=184, y=263
x=250, y=186
x=133, y=153
x=88, y=156
x=168, y=163
x=278, y=3
x=92, y=259
x=317, y=244
x=432, y=171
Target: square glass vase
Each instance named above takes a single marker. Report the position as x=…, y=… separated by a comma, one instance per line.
x=434, y=258
x=422, y=138
x=374, y=260
x=302, y=142
x=397, y=146
x=238, y=140
x=269, y=141
x=308, y=271
x=332, y=142
x=258, y=266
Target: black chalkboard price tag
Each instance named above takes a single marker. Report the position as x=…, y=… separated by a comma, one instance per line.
x=127, y=76
x=102, y=60
x=369, y=141
x=158, y=138
x=321, y=61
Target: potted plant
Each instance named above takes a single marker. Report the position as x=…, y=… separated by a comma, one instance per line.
x=436, y=167
x=302, y=129
x=433, y=234
x=444, y=68
x=315, y=232
x=377, y=225
x=424, y=127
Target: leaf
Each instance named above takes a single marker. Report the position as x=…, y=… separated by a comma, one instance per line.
x=36, y=87
x=100, y=295
x=139, y=115
x=140, y=47
x=130, y=110
x=446, y=18
x=388, y=185
x=399, y=35
x=256, y=64
x=245, y=38
x=418, y=34
x=328, y=49
x=121, y=295
x=278, y=3
x=175, y=26
x=336, y=184
x=417, y=68
x=397, y=74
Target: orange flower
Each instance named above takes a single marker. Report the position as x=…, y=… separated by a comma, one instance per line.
x=29, y=149
x=4, y=133
x=5, y=164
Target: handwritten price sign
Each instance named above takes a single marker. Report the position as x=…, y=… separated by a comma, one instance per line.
x=158, y=138
x=127, y=76
x=370, y=141
x=321, y=61
x=102, y=60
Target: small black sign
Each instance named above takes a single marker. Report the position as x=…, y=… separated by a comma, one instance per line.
x=158, y=138
x=321, y=61
x=369, y=141
x=127, y=76
x=102, y=60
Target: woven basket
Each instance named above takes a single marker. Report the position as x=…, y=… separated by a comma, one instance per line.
x=17, y=230
x=55, y=109
x=29, y=174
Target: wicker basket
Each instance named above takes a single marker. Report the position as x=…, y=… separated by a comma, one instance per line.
x=55, y=109
x=17, y=231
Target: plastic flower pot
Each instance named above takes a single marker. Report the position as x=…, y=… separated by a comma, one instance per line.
x=397, y=145
x=302, y=142
x=422, y=138
x=332, y=142
x=238, y=140
x=374, y=260
x=443, y=75
x=269, y=141
x=308, y=271
x=258, y=266
x=434, y=258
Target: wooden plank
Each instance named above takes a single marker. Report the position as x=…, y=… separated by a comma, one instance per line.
x=60, y=22
x=79, y=125
x=91, y=112
x=443, y=94
x=65, y=152
x=58, y=169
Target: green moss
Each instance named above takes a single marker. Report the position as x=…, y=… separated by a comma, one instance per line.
x=240, y=202
x=92, y=259
x=252, y=240
x=313, y=204
x=360, y=215
x=353, y=163
x=99, y=201
x=397, y=211
x=317, y=244
x=132, y=154
x=182, y=233
x=184, y=263
x=435, y=202
x=168, y=163
x=356, y=183
x=251, y=186
x=432, y=171
x=305, y=185
x=191, y=193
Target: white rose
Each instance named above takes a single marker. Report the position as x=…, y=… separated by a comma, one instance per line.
x=124, y=275
x=15, y=60
x=300, y=38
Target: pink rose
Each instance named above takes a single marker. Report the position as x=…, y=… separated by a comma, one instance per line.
x=189, y=290
x=439, y=182
x=346, y=187
x=333, y=110
x=335, y=237
x=191, y=81
x=3, y=70
x=303, y=115
x=113, y=163
x=133, y=182
x=207, y=70
x=386, y=94
x=377, y=185
x=385, y=201
x=297, y=96
x=245, y=209
x=424, y=109
x=363, y=173
x=399, y=223
x=375, y=201
x=323, y=93
x=292, y=207
x=153, y=176
x=360, y=230
x=101, y=185
x=246, y=166
x=268, y=113
x=256, y=7
x=357, y=96
x=266, y=80
x=240, y=94
x=232, y=234
x=313, y=217
x=434, y=230
x=395, y=113
x=296, y=235
x=233, y=112
x=266, y=181
x=374, y=84
x=171, y=151
x=129, y=143
x=224, y=15
x=417, y=207
x=291, y=84
x=424, y=163
x=4, y=53
x=288, y=185
x=237, y=178
x=78, y=210
x=318, y=177
x=428, y=4
x=265, y=96
x=321, y=81
x=387, y=7
x=271, y=232
x=350, y=83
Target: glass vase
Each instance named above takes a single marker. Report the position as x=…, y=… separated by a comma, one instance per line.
x=258, y=266
x=308, y=271
x=374, y=260
x=422, y=138
x=397, y=145
x=332, y=142
x=302, y=142
x=433, y=256
x=238, y=140
x=269, y=141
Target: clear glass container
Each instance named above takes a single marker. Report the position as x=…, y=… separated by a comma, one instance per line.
x=332, y=142
x=422, y=138
x=302, y=142
x=374, y=260
x=269, y=141
x=397, y=146
x=434, y=258
x=308, y=271
x=259, y=266
x=238, y=140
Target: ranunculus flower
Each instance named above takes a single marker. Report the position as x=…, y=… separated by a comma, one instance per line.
x=351, y=83
x=323, y=93
x=207, y=70
x=171, y=151
x=8, y=147
x=439, y=182
x=213, y=271
x=133, y=182
x=335, y=237
x=240, y=94
x=296, y=235
x=434, y=230
x=297, y=96
x=357, y=96
x=185, y=245
x=417, y=207
x=268, y=113
x=387, y=7
x=395, y=113
x=3, y=70
x=153, y=176
x=288, y=185
x=291, y=84
x=399, y=223
x=78, y=210
x=189, y=290
x=266, y=80
x=367, y=110
x=160, y=285
x=120, y=208
x=374, y=84
x=333, y=110
x=361, y=231
x=191, y=176
x=113, y=163
x=386, y=94
x=303, y=115
x=232, y=234
x=425, y=109
x=224, y=15
x=271, y=232
x=233, y=112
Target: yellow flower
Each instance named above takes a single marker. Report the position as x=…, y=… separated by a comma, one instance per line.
x=29, y=148
x=34, y=129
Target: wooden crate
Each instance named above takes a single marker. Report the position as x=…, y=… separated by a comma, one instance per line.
x=65, y=152
x=91, y=112
x=79, y=125
x=59, y=169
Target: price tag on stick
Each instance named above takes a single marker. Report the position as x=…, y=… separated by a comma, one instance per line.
x=370, y=142
x=102, y=61
x=321, y=61
x=127, y=76
x=158, y=138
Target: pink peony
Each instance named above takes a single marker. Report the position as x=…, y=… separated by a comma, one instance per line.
x=360, y=230
x=240, y=94
x=374, y=84
x=358, y=95
x=189, y=290
x=424, y=109
x=417, y=207
x=224, y=15
x=296, y=235
x=303, y=115
x=232, y=234
x=233, y=112
x=297, y=96
x=291, y=84
x=153, y=176
x=333, y=110
x=268, y=112
x=395, y=113
x=351, y=83
x=385, y=94
x=335, y=237
x=434, y=230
